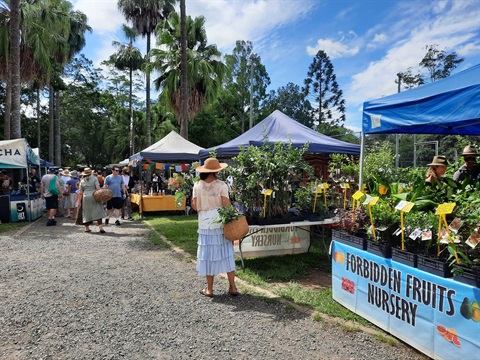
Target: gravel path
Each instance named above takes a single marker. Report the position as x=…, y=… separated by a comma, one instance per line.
x=66, y=294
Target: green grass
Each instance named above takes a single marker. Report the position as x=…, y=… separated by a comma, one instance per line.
x=179, y=229
x=264, y=272
x=12, y=226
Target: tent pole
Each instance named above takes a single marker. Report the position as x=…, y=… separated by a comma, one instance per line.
x=362, y=155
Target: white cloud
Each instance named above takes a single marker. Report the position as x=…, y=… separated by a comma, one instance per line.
x=229, y=21
x=103, y=15
x=453, y=29
x=378, y=39
x=334, y=49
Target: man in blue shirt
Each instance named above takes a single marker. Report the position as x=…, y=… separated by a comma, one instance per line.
x=114, y=182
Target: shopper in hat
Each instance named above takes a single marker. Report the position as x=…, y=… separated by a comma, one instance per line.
x=51, y=200
x=91, y=210
x=436, y=170
x=70, y=194
x=471, y=169
x=215, y=253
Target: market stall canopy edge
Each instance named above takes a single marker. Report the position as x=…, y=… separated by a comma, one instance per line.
x=17, y=154
x=278, y=127
x=450, y=106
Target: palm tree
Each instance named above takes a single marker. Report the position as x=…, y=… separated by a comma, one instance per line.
x=14, y=67
x=204, y=68
x=128, y=58
x=145, y=15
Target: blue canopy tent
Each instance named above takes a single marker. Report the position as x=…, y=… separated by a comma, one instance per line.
x=450, y=106
x=278, y=127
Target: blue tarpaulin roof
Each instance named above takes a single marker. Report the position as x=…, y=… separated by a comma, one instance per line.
x=278, y=127
x=450, y=106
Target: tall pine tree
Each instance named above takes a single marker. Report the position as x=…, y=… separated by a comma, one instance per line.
x=325, y=94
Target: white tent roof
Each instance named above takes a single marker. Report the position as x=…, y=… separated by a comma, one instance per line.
x=172, y=147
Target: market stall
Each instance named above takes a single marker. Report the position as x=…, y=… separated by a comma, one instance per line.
x=170, y=149
x=17, y=156
x=148, y=203
x=278, y=127
x=432, y=313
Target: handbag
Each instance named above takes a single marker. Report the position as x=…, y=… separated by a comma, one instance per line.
x=236, y=229
x=102, y=195
x=52, y=186
x=67, y=192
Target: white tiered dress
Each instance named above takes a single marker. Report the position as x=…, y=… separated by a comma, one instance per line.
x=215, y=253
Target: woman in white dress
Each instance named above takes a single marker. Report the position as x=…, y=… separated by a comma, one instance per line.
x=215, y=254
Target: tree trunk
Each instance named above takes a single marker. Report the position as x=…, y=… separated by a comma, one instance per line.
x=50, y=124
x=147, y=90
x=38, y=123
x=16, y=122
x=8, y=108
x=132, y=147
x=58, y=133
x=184, y=81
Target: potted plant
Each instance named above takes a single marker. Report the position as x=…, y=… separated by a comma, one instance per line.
x=268, y=167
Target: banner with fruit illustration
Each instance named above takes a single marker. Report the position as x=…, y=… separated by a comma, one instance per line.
x=439, y=317
x=275, y=240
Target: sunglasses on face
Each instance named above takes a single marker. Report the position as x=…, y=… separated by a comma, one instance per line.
x=470, y=159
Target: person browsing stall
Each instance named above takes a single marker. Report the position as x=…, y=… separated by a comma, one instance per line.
x=114, y=182
x=471, y=169
x=215, y=254
x=91, y=210
x=51, y=200
x=436, y=170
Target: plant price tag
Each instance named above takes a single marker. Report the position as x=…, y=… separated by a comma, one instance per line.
x=455, y=225
x=445, y=208
x=473, y=240
x=426, y=235
x=415, y=234
x=404, y=206
x=358, y=195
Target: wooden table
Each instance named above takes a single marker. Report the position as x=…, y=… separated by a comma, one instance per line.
x=157, y=203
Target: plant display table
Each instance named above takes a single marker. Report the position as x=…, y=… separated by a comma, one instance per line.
x=156, y=203
x=279, y=239
x=440, y=317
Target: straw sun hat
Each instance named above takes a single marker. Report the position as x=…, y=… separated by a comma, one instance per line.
x=211, y=166
x=87, y=171
x=439, y=161
x=470, y=150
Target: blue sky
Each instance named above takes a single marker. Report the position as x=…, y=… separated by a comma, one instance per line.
x=368, y=41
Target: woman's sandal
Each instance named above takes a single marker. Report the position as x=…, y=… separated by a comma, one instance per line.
x=102, y=231
x=233, y=293
x=205, y=293
x=89, y=230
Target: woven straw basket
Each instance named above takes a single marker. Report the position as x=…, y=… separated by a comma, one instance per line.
x=102, y=195
x=236, y=229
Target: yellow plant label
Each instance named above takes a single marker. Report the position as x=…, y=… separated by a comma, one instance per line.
x=445, y=208
x=405, y=206
x=370, y=200
x=358, y=195
x=268, y=192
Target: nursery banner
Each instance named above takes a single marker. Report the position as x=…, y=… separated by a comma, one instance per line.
x=437, y=316
x=275, y=240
